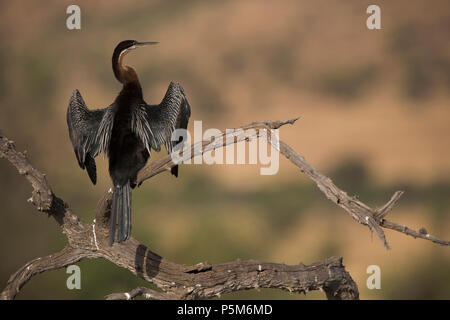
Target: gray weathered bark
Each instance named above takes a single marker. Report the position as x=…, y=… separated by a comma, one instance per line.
x=202, y=280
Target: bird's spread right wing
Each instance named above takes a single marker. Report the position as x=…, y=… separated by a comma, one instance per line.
x=172, y=113
x=89, y=131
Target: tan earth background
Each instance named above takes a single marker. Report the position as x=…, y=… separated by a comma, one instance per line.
x=374, y=116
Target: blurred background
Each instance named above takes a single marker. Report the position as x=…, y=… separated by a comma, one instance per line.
x=374, y=116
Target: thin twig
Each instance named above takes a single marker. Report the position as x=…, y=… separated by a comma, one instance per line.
x=140, y=291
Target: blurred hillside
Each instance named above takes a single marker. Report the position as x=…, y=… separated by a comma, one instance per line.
x=374, y=116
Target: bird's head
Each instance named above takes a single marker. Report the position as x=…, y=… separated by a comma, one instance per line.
x=128, y=45
x=122, y=50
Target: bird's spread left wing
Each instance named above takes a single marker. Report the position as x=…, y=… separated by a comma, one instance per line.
x=83, y=127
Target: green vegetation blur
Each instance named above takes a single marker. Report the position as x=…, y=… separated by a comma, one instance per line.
x=374, y=116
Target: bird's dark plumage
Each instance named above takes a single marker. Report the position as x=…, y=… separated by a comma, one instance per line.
x=125, y=131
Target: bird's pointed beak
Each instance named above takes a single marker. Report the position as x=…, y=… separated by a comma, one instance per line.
x=143, y=44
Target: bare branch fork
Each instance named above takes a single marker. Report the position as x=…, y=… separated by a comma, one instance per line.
x=202, y=280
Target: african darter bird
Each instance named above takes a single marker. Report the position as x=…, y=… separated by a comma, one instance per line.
x=125, y=131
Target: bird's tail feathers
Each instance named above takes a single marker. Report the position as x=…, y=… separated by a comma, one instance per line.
x=120, y=211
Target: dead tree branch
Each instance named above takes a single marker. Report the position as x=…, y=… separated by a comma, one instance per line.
x=202, y=280
x=59, y=260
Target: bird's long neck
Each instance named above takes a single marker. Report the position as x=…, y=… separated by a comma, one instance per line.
x=126, y=75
